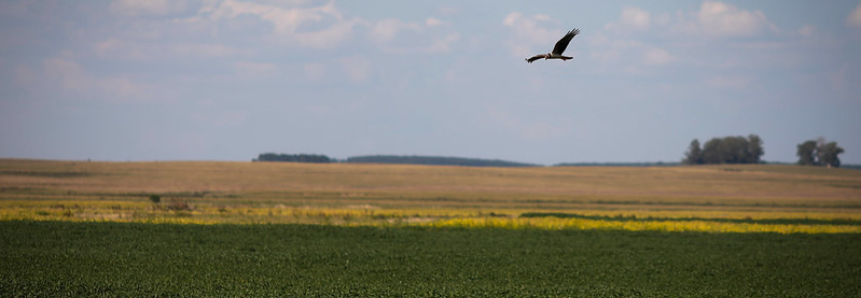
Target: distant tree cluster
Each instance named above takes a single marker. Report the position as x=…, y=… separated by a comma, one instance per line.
x=393, y=159
x=819, y=153
x=727, y=150
x=311, y=158
x=616, y=164
x=436, y=160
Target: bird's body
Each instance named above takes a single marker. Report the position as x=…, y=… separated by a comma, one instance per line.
x=548, y=56
x=560, y=47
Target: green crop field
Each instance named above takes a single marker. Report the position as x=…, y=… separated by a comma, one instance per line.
x=62, y=259
x=216, y=229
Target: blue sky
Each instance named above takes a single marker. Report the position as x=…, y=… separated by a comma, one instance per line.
x=227, y=79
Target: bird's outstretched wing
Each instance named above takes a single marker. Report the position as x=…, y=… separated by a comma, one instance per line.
x=536, y=57
x=562, y=44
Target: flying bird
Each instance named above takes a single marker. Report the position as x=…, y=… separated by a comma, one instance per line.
x=558, y=49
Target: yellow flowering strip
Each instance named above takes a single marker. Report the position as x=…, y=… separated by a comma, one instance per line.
x=552, y=223
x=668, y=221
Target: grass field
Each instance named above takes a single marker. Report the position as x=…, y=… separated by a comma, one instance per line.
x=84, y=229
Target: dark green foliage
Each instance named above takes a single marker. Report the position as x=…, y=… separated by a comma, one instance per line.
x=727, y=150
x=776, y=221
x=819, y=153
x=436, y=160
x=312, y=158
x=50, y=259
x=807, y=153
x=694, y=156
x=755, y=150
x=828, y=154
x=155, y=198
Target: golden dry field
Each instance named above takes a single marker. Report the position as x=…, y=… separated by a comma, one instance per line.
x=726, y=198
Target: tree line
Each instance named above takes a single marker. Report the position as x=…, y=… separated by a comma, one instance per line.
x=749, y=150
x=311, y=158
x=726, y=150
x=437, y=160
x=392, y=159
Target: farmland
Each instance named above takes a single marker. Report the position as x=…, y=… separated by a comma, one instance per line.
x=181, y=229
x=753, y=197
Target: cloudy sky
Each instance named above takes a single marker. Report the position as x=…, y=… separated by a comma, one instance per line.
x=228, y=79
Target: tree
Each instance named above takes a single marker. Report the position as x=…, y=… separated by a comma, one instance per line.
x=807, y=153
x=713, y=151
x=694, y=156
x=755, y=148
x=820, y=153
x=828, y=154
x=732, y=150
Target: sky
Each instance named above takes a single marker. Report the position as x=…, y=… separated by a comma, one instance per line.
x=227, y=79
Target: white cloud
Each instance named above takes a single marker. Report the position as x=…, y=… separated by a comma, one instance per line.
x=807, y=30
x=201, y=50
x=288, y=21
x=148, y=7
x=712, y=19
x=114, y=47
x=724, y=20
x=527, y=33
x=358, y=69
x=617, y=47
x=429, y=37
x=292, y=23
x=632, y=18
x=606, y=50
x=627, y=56
x=854, y=18
x=431, y=22
x=443, y=44
x=636, y=18
x=542, y=17
x=657, y=56
x=385, y=30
